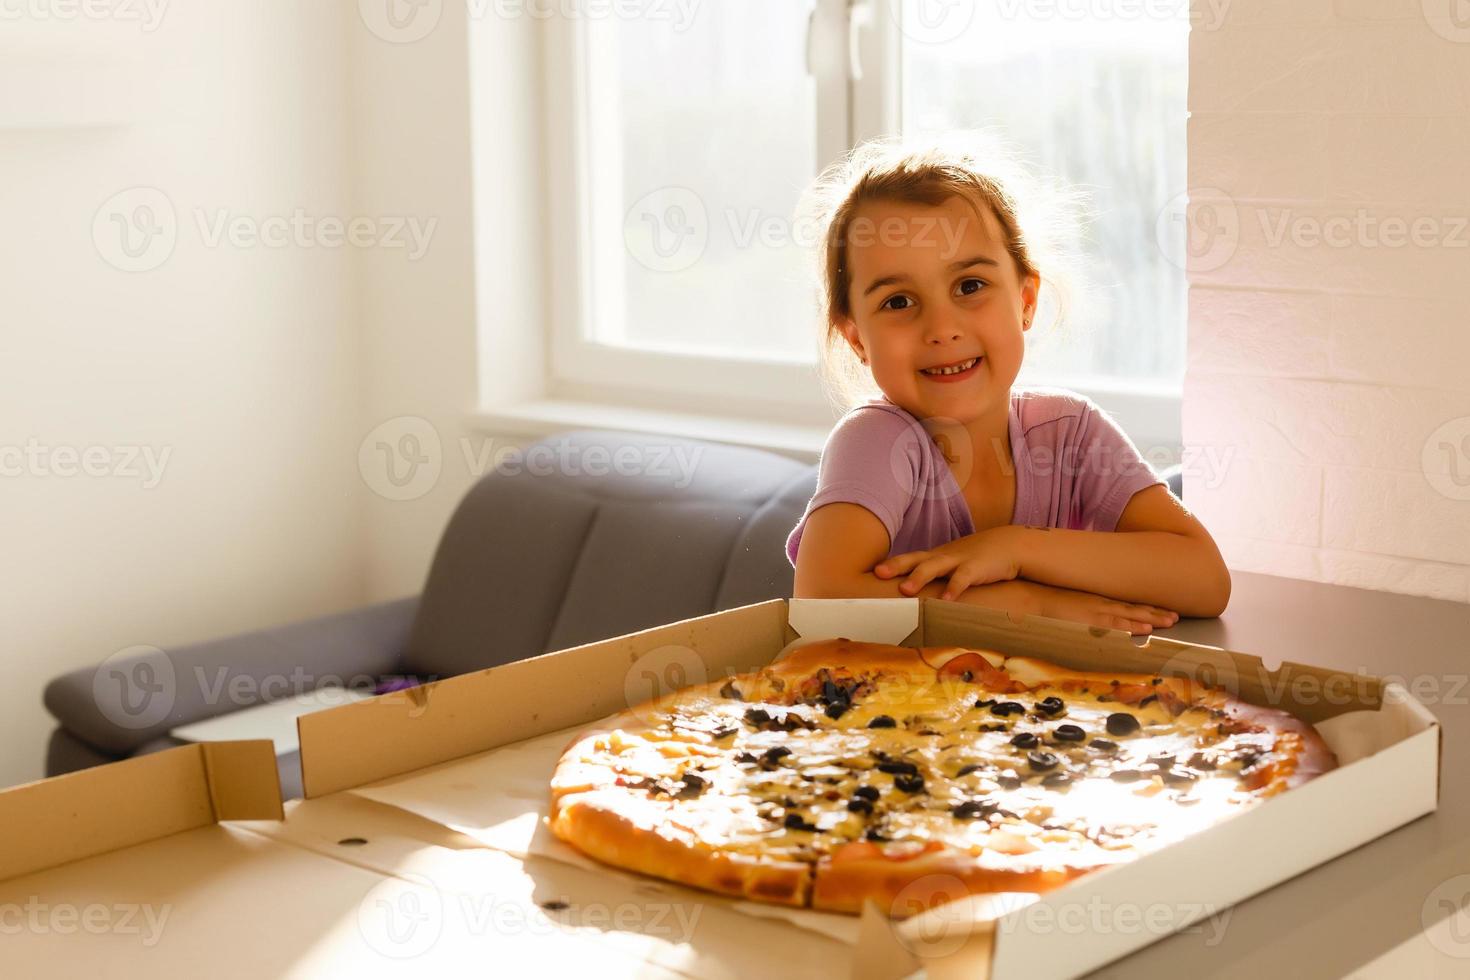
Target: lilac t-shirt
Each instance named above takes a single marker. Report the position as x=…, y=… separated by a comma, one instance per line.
x=1075, y=468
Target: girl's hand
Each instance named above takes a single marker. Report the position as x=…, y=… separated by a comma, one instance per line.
x=1099, y=610
x=976, y=559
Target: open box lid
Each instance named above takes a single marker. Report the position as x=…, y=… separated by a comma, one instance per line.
x=105, y=808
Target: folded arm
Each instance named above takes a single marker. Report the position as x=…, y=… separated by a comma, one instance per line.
x=1159, y=554
x=842, y=542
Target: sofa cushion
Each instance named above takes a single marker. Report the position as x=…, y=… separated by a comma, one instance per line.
x=611, y=532
x=758, y=568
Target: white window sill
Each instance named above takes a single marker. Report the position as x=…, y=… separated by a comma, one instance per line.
x=547, y=416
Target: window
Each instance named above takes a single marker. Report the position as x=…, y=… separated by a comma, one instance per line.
x=1103, y=106
x=691, y=142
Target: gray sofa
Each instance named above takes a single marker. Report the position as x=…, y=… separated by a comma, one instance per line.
x=530, y=562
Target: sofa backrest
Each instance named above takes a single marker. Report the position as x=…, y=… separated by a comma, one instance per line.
x=600, y=534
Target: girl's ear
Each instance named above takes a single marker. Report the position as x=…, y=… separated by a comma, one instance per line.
x=854, y=340
x=1030, y=290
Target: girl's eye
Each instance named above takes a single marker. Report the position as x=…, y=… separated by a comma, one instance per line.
x=978, y=284
x=890, y=299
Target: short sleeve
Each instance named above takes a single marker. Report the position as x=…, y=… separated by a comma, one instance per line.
x=1109, y=472
x=872, y=459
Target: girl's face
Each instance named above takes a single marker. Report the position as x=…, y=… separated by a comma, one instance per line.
x=931, y=288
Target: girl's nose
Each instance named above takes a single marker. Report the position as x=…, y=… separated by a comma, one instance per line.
x=940, y=331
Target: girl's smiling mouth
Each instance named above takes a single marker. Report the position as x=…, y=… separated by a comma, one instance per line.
x=953, y=371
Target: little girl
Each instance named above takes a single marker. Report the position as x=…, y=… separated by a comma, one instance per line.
x=954, y=483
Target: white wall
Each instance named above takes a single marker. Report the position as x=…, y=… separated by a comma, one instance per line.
x=1329, y=350
x=433, y=329
x=240, y=362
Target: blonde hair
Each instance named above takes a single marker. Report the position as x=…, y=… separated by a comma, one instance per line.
x=1038, y=222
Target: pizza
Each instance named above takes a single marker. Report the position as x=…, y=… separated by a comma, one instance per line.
x=847, y=771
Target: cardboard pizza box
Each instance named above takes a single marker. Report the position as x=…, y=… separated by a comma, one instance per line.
x=80, y=814
x=1389, y=741
x=180, y=864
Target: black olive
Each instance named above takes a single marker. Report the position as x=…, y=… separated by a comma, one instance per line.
x=898, y=766
x=1041, y=761
x=984, y=702
x=1122, y=723
x=883, y=721
x=1007, y=708
x=1201, y=761
x=866, y=792
x=1104, y=745
x=836, y=709
x=909, y=784
x=971, y=809
x=1163, y=760
x=874, y=834
x=1050, y=706
x=1008, y=780
x=859, y=805
x=795, y=821
x=1056, y=780
x=695, y=780
x=757, y=716
x=966, y=770
x=1068, y=733
x=1025, y=740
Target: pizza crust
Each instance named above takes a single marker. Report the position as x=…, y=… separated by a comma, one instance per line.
x=604, y=829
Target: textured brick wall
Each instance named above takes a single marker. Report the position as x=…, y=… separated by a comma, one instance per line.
x=1328, y=387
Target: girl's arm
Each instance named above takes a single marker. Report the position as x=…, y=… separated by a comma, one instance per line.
x=1159, y=554
x=842, y=542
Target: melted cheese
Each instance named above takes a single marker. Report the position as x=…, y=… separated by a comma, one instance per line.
x=743, y=805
